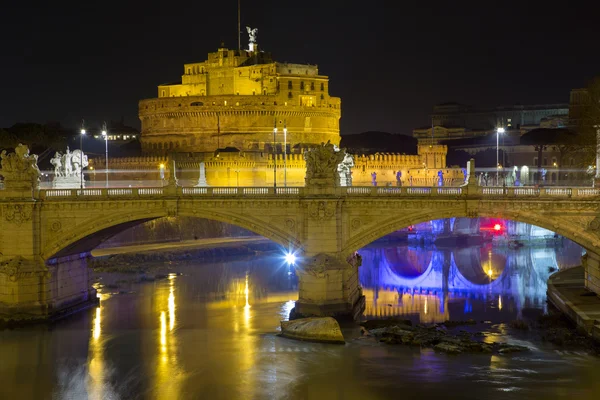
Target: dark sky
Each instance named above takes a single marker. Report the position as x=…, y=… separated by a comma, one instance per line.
x=389, y=61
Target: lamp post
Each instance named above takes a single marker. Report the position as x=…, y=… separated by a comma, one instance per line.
x=274, y=154
x=284, y=153
x=498, y=132
x=82, y=134
x=105, y=135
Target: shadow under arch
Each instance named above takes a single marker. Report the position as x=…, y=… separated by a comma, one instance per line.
x=393, y=224
x=87, y=236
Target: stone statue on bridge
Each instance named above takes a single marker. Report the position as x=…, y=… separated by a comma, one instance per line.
x=67, y=168
x=20, y=169
x=345, y=170
x=322, y=165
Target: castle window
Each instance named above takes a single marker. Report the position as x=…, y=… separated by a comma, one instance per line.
x=301, y=85
x=289, y=95
x=285, y=104
x=162, y=93
x=225, y=102
x=312, y=86
x=265, y=91
x=322, y=87
x=289, y=71
x=189, y=71
x=322, y=97
x=289, y=84
x=253, y=92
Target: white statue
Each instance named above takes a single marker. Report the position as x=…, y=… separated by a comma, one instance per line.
x=252, y=33
x=68, y=168
x=57, y=162
x=345, y=169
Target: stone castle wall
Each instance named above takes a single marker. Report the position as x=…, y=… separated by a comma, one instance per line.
x=200, y=123
x=257, y=169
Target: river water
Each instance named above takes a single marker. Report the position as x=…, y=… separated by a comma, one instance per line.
x=209, y=331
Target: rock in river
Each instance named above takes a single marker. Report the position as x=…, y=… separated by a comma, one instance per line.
x=326, y=330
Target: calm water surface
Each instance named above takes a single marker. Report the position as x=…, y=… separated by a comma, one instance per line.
x=211, y=333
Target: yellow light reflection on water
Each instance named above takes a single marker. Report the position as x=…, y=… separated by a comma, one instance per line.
x=425, y=306
x=96, y=387
x=247, y=306
x=500, y=302
x=163, y=332
x=169, y=375
x=97, y=327
x=171, y=308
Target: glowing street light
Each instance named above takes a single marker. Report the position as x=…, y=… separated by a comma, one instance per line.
x=290, y=258
x=161, y=167
x=284, y=153
x=82, y=134
x=498, y=132
x=105, y=135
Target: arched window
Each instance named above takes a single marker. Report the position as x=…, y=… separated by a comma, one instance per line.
x=301, y=85
x=290, y=85
x=322, y=97
x=312, y=86
x=290, y=95
x=322, y=86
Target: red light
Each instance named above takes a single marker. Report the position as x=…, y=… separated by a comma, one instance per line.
x=497, y=227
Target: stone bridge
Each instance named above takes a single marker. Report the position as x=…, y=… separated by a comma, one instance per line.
x=46, y=235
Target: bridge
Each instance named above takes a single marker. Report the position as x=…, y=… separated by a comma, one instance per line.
x=46, y=236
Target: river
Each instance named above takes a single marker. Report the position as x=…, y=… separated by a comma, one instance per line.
x=209, y=331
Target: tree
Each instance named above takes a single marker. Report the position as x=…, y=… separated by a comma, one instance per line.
x=585, y=117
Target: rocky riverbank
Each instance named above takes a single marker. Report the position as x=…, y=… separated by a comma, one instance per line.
x=440, y=337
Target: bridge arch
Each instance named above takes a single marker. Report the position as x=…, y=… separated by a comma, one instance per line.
x=88, y=235
x=381, y=227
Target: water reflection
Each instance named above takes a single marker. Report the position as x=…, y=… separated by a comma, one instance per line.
x=210, y=332
x=459, y=283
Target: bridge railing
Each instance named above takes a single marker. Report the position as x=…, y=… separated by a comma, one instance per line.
x=351, y=191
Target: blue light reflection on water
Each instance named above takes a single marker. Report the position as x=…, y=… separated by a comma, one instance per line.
x=433, y=285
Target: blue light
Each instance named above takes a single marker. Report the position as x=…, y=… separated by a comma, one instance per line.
x=290, y=258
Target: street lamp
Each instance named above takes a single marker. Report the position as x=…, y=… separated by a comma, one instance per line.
x=284, y=153
x=105, y=135
x=498, y=132
x=82, y=134
x=161, y=167
x=274, y=154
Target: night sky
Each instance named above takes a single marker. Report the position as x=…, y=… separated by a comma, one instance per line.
x=389, y=64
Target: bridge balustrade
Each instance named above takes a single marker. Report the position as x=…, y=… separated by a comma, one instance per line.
x=352, y=191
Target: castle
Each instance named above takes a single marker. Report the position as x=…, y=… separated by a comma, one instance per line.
x=236, y=99
x=248, y=119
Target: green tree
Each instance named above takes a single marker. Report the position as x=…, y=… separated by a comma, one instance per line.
x=585, y=117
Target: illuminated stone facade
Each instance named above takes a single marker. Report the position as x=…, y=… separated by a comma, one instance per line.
x=234, y=99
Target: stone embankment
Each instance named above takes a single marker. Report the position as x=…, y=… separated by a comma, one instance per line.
x=438, y=337
x=567, y=292
x=138, y=262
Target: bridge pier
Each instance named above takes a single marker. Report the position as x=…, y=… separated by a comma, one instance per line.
x=329, y=286
x=33, y=290
x=591, y=264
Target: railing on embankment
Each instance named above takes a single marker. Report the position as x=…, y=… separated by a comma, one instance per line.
x=352, y=191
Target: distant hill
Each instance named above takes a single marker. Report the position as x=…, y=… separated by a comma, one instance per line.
x=382, y=142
